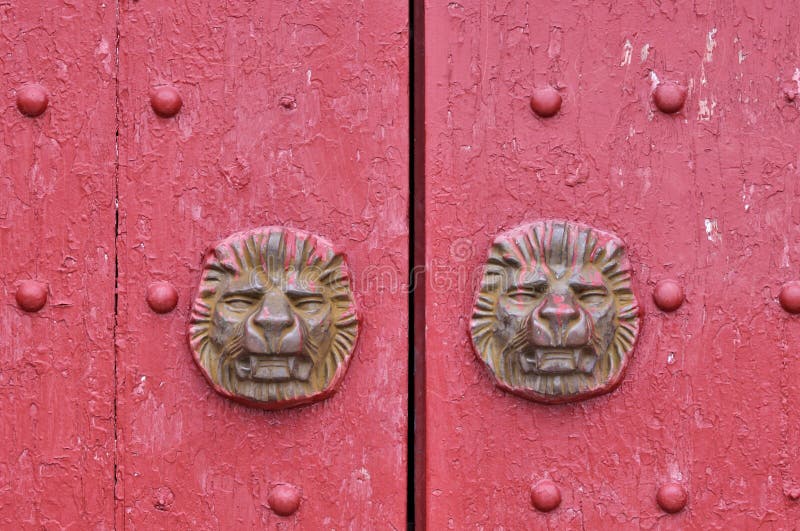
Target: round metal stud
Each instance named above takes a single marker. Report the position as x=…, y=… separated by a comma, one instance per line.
x=284, y=499
x=31, y=295
x=162, y=297
x=546, y=102
x=789, y=297
x=793, y=493
x=32, y=100
x=668, y=295
x=545, y=496
x=669, y=97
x=166, y=101
x=672, y=497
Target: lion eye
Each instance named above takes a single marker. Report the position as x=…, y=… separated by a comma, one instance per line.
x=311, y=303
x=593, y=296
x=527, y=295
x=238, y=304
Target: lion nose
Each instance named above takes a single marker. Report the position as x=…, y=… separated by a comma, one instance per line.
x=559, y=310
x=274, y=328
x=559, y=314
x=274, y=316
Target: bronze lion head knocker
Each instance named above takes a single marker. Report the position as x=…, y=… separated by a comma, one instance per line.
x=556, y=318
x=275, y=322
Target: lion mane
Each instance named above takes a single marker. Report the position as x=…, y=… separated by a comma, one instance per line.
x=560, y=245
x=279, y=253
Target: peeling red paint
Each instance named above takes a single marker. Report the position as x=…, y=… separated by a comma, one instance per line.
x=706, y=196
x=293, y=113
x=57, y=230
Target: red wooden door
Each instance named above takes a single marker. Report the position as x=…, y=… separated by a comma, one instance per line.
x=705, y=196
x=141, y=134
x=57, y=244
x=293, y=114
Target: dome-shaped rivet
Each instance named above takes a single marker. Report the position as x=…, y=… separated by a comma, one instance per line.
x=162, y=297
x=545, y=495
x=546, y=102
x=668, y=295
x=166, y=101
x=669, y=97
x=31, y=295
x=672, y=497
x=284, y=499
x=789, y=297
x=32, y=100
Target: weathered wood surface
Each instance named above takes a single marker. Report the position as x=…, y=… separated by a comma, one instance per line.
x=294, y=113
x=706, y=196
x=57, y=227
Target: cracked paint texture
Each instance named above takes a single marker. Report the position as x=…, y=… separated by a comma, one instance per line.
x=57, y=227
x=707, y=196
x=294, y=113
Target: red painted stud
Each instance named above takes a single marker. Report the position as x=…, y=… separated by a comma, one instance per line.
x=672, y=497
x=31, y=295
x=166, y=101
x=546, y=102
x=162, y=297
x=793, y=493
x=790, y=297
x=668, y=295
x=284, y=499
x=32, y=100
x=545, y=496
x=669, y=97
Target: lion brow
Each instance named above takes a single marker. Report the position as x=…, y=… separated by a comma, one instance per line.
x=249, y=291
x=302, y=292
x=530, y=283
x=583, y=285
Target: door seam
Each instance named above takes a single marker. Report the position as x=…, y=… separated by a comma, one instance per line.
x=117, y=490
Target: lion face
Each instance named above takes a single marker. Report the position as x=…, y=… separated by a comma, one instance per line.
x=556, y=318
x=274, y=323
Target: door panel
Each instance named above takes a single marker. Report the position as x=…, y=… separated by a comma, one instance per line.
x=293, y=114
x=704, y=196
x=57, y=230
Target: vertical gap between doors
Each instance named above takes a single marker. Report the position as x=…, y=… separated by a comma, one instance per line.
x=116, y=246
x=411, y=255
x=416, y=280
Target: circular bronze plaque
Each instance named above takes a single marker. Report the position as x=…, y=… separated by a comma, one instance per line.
x=275, y=322
x=555, y=317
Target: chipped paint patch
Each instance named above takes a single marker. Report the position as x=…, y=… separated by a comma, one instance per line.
x=627, y=51
x=741, y=56
x=747, y=194
x=654, y=81
x=103, y=50
x=675, y=471
x=644, y=53
x=705, y=110
x=712, y=230
x=711, y=43
x=785, y=262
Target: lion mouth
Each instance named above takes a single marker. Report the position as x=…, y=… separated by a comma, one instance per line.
x=273, y=367
x=550, y=360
